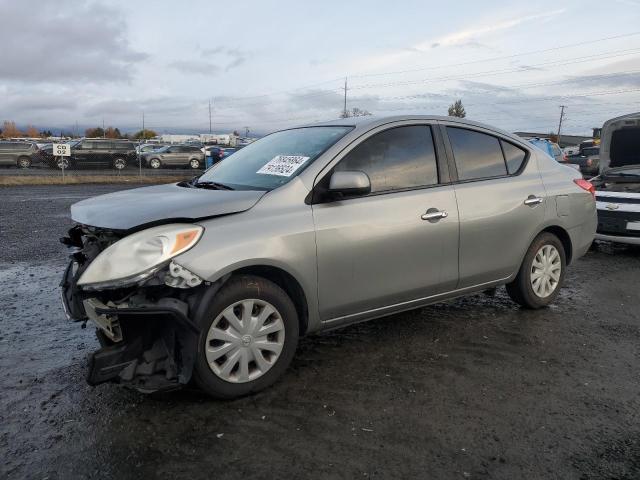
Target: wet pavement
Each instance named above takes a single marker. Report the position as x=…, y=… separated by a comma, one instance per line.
x=473, y=388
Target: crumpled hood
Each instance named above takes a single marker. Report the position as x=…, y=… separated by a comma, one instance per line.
x=160, y=204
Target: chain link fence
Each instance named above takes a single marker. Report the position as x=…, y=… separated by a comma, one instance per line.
x=100, y=160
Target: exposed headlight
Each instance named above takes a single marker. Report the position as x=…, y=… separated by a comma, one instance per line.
x=138, y=256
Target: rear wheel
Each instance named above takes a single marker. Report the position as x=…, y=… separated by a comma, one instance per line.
x=248, y=337
x=24, y=162
x=62, y=162
x=119, y=163
x=194, y=163
x=155, y=163
x=541, y=274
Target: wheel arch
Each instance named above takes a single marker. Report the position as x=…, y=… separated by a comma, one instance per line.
x=287, y=282
x=564, y=238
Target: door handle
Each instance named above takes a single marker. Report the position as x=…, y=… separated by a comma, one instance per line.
x=532, y=200
x=433, y=214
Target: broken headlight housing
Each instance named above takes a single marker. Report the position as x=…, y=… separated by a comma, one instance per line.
x=139, y=256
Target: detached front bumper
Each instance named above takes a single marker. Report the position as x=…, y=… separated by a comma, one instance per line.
x=147, y=344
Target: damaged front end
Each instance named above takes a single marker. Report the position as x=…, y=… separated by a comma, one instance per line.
x=145, y=323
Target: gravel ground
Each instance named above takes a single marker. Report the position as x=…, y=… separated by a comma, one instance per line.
x=474, y=388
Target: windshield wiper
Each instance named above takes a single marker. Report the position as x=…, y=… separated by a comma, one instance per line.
x=214, y=185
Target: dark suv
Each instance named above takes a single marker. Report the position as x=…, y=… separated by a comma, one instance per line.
x=99, y=153
x=20, y=154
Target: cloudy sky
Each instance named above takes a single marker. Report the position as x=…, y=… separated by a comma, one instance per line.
x=271, y=64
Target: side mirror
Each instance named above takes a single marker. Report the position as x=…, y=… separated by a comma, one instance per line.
x=349, y=183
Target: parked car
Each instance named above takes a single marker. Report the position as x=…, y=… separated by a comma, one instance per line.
x=571, y=150
x=553, y=150
x=550, y=148
x=229, y=151
x=618, y=185
x=618, y=204
x=620, y=142
x=588, y=161
x=18, y=154
x=216, y=153
x=93, y=153
x=175, y=156
x=148, y=147
x=313, y=228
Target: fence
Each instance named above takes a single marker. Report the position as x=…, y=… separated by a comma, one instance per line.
x=99, y=161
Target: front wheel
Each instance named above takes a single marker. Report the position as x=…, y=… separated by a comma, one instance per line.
x=541, y=274
x=155, y=163
x=248, y=337
x=24, y=162
x=194, y=163
x=62, y=163
x=119, y=163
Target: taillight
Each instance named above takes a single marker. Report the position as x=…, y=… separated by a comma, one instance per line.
x=565, y=157
x=586, y=185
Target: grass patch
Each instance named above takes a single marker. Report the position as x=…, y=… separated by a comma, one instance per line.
x=17, y=180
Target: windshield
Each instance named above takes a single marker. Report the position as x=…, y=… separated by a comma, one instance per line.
x=273, y=160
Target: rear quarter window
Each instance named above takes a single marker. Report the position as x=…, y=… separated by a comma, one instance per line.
x=514, y=156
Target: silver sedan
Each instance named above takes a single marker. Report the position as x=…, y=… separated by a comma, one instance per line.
x=313, y=228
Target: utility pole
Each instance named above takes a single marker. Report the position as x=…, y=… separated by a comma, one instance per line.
x=562, y=107
x=210, y=130
x=246, y=132
x=103, y=134
x=142, y=140
x=344, y=110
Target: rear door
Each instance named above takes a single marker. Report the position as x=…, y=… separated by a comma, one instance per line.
x=82, y=153
x=501, y=202
x=6, y=153
x=377, y=250
x=171, y=156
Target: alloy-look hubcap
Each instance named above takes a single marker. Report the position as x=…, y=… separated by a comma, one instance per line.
x=545, y=271
x=245, y=341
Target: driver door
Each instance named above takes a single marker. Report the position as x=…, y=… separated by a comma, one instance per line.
x=378, y=251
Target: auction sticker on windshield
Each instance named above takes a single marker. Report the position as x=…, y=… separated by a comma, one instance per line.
x=283, y=165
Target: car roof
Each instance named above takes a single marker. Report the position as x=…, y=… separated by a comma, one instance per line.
x=370, y=121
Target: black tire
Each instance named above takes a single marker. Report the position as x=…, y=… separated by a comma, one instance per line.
x=194, y=163
x=24, y=162
x=236, y=289
x=119, y=163
x=521, y=290
x=155, y=163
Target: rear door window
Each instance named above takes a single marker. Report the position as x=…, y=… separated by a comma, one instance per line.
x=514, y=156
x=477, y=155
x=396, y=159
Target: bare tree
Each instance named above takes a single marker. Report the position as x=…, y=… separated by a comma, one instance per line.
x=32, y=132
x=457, y=110
x=9, y=130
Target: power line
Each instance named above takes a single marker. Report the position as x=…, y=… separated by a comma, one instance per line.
x=321, y=117
x=486, y=73
x=433, y=67
x=587, y=58
x=503, y=57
